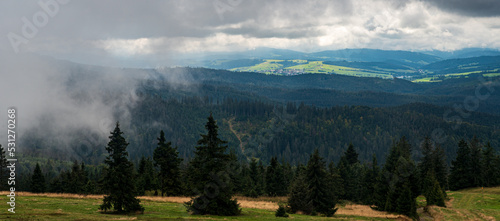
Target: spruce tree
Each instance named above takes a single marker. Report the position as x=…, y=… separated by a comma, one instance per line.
x=405, y=203
x=351, y=155
x=76, y=181
x=319, y=182
x=300, y=195
x=490, y=168
x=167, y=159
x=460, y=174
x=254, y=184
x=147, y=180
x=121, y=192
x=369, y=183
x=261, y=178
x=441, y=168
x=281, y=212
x=432, y=164
x=37, y=180
x=275, y=179
x=337, y=184
x=384, y=187
x=236, y=172
x=288, y=173
x=209, y=175
x=352, y=173
x=398, y=188
x=434, y=194
x=404, y=180
x=476, y=162
x=4, y=171
x=426, y=166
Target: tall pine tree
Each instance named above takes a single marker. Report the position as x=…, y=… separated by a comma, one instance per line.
x=37, y=180
x=461, y=172
x=351, y=155
x=491, y=172
x=440, y=168
x=322, y=195
x=433, y=192
x=370, y=181
x=352, y=173
x=167, y=159
x=121, y=192
x=4, y=171
x=275, y=179
x=300, y=195
x=476, y=156
x=431, y=167
x=147, y=176
x=254, y=185
x=397, y=187
x=209, y=175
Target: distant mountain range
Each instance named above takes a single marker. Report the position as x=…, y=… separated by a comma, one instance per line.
x=423, y=66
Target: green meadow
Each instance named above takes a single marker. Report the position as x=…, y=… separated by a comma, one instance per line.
x=470, y=204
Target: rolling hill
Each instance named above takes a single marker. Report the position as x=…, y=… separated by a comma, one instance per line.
x=421, y=67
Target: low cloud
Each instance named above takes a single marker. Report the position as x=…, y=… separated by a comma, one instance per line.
x=71, y=108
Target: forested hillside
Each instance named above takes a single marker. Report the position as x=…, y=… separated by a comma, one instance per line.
x=267, y=115
x=291, y=131
x=273, y=126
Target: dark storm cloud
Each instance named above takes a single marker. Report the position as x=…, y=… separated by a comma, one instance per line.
x=131, y=19
x=475, y=8
x=92, y=29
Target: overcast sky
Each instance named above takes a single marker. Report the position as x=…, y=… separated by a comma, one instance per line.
x=95, y=30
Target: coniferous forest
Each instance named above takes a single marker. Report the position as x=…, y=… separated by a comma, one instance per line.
x=215, y=174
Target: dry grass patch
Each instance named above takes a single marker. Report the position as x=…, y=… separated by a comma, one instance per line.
x=58, y=195
x=279, y=199
x=171, y=199
x=253, y=203
x=266, y=205
x=367, y=211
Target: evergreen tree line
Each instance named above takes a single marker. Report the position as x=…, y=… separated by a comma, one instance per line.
x=475, y=166
x=215, y=174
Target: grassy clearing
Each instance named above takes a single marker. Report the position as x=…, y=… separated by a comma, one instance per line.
x=264, y=67
x=271, y=66
x=457, y=75
x=471, y=204
x=77, y=207
x=492, y=75
x=461, y=74
x=427, y=80
x=319, y=67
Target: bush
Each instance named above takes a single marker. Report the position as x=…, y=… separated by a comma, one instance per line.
x=281, y=212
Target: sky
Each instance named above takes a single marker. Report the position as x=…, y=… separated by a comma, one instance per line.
x=152, y=33
x=54, y=99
